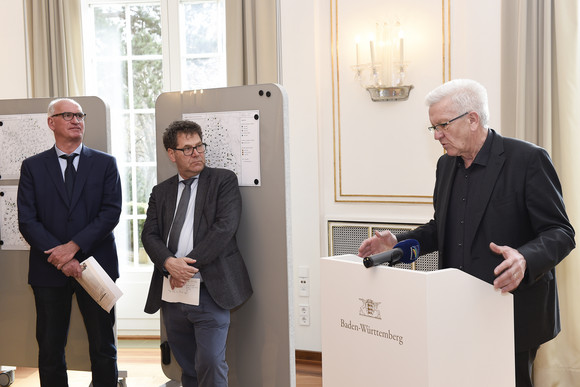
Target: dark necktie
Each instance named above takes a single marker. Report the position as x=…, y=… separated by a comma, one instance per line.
x=70, y=174
x=179, y=218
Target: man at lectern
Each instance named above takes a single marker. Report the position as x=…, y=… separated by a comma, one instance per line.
x=199, y=275
x=69, y=202
x=499, y=215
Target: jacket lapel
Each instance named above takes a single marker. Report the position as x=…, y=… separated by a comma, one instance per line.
x=201, y=196
x=55, y=172
x=483, y=192
x=169, y=206
x=443, y=197
x=84, y=169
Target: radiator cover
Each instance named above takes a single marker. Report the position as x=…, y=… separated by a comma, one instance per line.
x=346, y=237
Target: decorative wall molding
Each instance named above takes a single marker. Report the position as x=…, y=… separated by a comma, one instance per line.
x=382, y=152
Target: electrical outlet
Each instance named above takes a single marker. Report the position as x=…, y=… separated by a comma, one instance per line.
x=304, y=314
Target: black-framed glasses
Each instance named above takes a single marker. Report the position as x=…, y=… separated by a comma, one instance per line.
x=188, y=150
x=443, y=125
x=68, y=116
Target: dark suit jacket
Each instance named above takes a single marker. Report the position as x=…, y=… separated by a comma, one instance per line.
x=218, y=207
x=519, y=204
x=46, y=219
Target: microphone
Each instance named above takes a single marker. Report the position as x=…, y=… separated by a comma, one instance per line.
x=406, y=251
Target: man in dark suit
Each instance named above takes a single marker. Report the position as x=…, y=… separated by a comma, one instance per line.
x=499, y=215
x=203, y=253
x=69, y=201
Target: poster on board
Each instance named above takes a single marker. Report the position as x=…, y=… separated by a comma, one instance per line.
x=10, y=237
x=22, y=136
x=233, y=142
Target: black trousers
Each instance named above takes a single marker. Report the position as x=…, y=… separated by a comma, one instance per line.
x=53, y=310
x=524, y=363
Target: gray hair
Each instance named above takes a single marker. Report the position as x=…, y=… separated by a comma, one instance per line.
x=465, y=94
x=52, y=104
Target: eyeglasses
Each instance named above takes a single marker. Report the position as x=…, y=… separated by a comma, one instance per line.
x=188, y=150
x=443, y=125
x=68, y=116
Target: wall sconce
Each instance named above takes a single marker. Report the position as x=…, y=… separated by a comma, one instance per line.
x=384, y=76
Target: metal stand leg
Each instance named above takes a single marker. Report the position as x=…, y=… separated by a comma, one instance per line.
x=6, y=376
x=122, y=379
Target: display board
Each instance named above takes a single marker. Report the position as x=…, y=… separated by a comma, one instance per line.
x=260, y=343
x=24, y=132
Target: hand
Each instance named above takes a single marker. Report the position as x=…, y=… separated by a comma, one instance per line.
x=62, y=254
x=511, y=271
x=176, y=283
x=180, y=269
x=381, y=241
x=72, y=269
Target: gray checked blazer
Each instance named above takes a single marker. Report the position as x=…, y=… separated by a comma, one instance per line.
x=218, y=208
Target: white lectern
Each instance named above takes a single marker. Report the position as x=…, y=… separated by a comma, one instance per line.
x=385, y=326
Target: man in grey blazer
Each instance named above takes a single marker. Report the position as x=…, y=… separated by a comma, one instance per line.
x=499, y=215
x=203, y=254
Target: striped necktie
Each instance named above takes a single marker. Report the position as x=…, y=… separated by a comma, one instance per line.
x=179, y=218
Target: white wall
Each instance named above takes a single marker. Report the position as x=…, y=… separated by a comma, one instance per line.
x=300, y=77
x=12, y=42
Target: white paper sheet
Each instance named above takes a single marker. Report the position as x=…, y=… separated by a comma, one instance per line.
x=187, y=294
x=98, y=284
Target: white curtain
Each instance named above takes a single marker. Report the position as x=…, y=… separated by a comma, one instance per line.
x=252, y=47
x=541, y=104
x=54, y=39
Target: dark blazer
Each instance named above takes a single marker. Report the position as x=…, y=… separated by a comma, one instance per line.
x=47, y=219
x=519, y=204
x=218, y=208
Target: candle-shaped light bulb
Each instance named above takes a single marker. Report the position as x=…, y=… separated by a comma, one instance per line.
x=401, y=47
x=372, y=45
x=357, y=41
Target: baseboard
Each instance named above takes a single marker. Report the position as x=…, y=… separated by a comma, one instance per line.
x=301, y=355
x=138, y=337
x=309, y=356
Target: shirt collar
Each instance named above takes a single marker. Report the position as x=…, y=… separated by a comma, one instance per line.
x=77, y=151
x=482, y=156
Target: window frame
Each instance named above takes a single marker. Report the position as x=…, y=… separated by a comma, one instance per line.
x=173, y=65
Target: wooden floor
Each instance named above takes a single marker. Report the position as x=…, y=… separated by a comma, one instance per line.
x=142, y=361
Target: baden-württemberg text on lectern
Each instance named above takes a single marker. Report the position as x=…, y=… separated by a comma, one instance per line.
x=386, y=326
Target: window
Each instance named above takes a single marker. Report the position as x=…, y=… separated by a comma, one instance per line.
x=135, y=50
x=203, y=44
